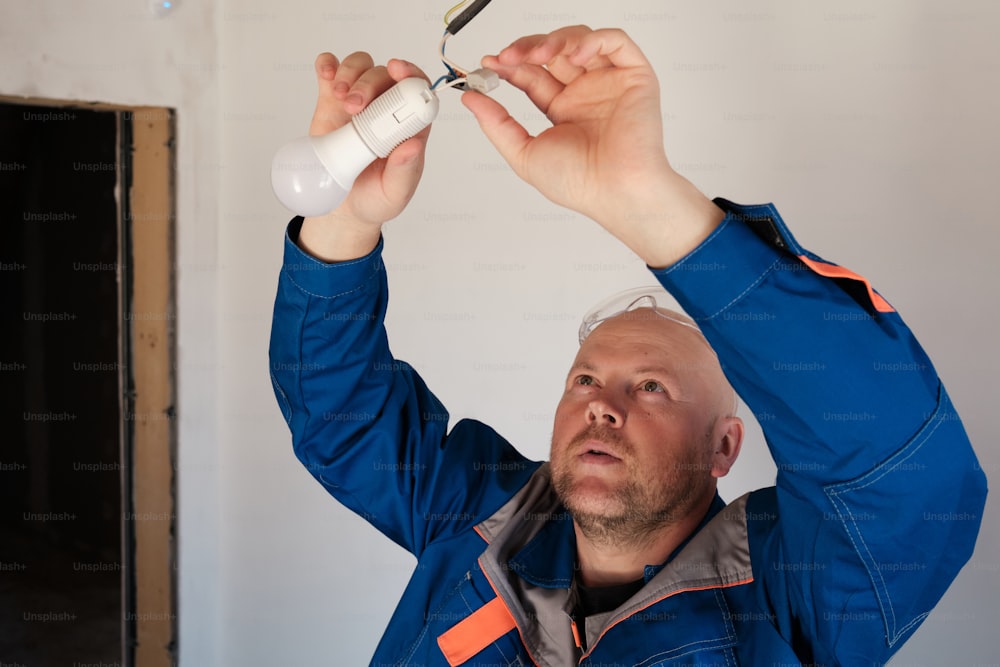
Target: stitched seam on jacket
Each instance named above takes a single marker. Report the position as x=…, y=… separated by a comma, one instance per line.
x=834, y=493
x=693, y=647
x=727, y=616
x=427, y=622
x=496, y=643
x=708, y=239
x=286, y=407
x=320, y=296
x=746, y=291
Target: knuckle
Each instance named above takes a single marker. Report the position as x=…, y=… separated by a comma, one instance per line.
x=359, y=60
x=373, y=78
x=616, y=34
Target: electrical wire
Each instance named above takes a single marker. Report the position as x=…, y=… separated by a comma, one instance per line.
x=454, y=68
x=447, y=14
x=455, y=82
x=467, y=15
x=457, y=74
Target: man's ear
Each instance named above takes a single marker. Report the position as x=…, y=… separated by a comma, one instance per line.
x=727, y=436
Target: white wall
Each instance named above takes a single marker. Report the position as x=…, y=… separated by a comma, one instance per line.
x=115, y=51
x=870, y=127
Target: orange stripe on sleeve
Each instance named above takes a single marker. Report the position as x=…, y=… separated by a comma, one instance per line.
x=834, y=271
x=471, y=635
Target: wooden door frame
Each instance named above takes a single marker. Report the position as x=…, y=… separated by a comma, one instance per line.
x=147, y=351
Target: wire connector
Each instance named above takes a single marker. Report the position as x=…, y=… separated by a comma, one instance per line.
x=482, y=80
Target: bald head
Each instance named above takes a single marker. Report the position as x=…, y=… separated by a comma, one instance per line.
x=671, y=342
x=644, y=427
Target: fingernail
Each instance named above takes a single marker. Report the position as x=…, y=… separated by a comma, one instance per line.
x=355, y=98
x=341, y=88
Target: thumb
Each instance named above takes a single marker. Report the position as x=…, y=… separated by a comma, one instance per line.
x=403, y=168
x=507, y=135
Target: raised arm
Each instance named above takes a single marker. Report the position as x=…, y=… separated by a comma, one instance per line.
x=879, y=497
x=364, y=423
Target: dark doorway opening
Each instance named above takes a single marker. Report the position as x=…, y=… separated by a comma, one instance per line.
x=72, y=503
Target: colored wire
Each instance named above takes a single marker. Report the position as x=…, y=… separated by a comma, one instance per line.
x=467, y=15
x=443, y=77
x=452, y=67
x=456, y=75
x=454, y=82
x=447, y=14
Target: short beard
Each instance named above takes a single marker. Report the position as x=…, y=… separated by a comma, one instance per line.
x=639, y=513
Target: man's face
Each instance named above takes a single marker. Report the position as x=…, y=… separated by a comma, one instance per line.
x=635, y=431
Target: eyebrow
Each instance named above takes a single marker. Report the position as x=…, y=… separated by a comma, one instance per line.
x=664, y=370
x=659, y=369
x=671, y=379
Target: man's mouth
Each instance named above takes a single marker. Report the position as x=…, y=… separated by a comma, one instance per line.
x=598, y=453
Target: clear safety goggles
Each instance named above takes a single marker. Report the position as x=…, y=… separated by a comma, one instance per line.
x=654, y=297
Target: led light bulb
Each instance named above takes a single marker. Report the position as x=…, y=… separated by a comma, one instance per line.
x=311, y=176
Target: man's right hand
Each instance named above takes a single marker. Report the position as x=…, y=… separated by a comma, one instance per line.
x=383, y=189
x=603, y=156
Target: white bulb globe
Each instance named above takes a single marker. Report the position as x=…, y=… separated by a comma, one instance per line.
x=311, y=176
x=302, y=183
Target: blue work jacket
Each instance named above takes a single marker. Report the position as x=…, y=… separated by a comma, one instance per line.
x=876, y=505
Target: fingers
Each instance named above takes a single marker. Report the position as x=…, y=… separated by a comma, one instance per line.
x=537, y=82
x=551, y=50
x=326, y=69
x=359, y=81
x=329, y=113
x=407, y=158
x=335, y=79
x=610, y=45
x=506, y=134
x=403, y=167
x=570, y=52
x=396, y=177
x=543, y=65
x=347, y=87
x=404, y=69
x=350, y=70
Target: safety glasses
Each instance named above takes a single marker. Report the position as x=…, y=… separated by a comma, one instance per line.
x=652, y=297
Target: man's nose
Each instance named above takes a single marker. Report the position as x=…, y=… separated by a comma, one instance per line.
x=604, y=411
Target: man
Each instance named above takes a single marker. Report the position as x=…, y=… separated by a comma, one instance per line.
x=619, y=551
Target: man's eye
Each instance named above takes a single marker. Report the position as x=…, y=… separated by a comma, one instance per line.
x=652, y=385
x=585, y=379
